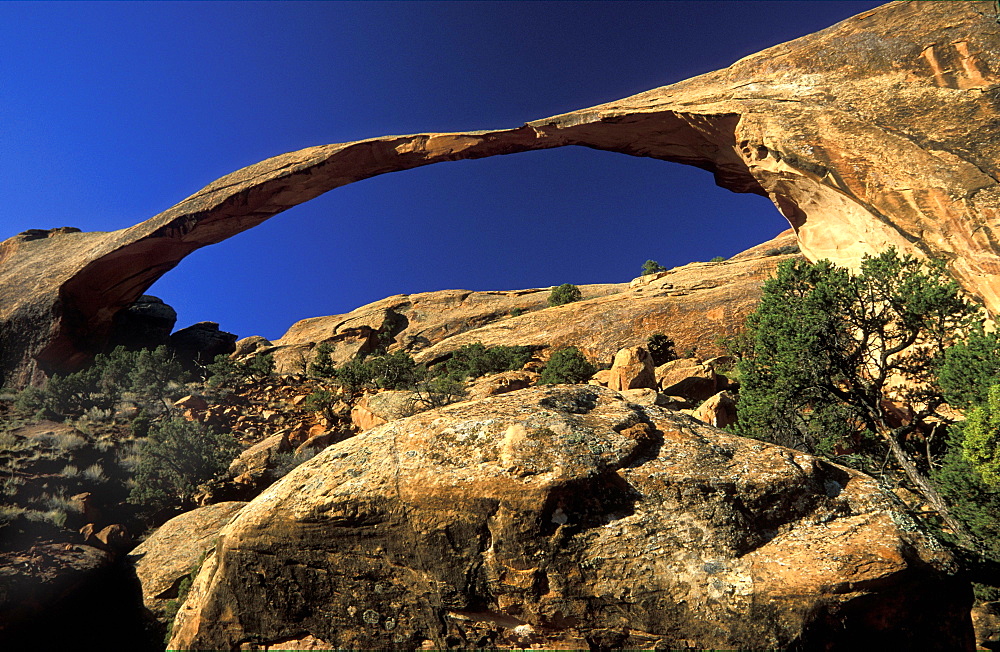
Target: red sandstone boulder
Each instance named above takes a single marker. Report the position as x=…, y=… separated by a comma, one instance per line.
x=632, y=368
x=687, y=377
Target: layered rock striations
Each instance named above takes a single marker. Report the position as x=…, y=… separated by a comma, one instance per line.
x=881, y=130
x=568, y=517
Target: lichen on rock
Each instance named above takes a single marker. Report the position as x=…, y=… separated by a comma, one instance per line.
x=568, y=516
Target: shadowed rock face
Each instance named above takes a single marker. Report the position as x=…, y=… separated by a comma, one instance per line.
x=881, y=130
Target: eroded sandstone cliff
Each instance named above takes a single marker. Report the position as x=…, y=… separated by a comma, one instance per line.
x=881, y=130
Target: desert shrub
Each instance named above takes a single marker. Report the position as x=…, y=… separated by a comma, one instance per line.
x=394, y=370
x=29, y=401
x=565, y=293
x=175, y=458
x=60, y=442
x=354, y=375
x=783, y=251
x=322, y=401
x=322, y=365
x=151, y=377
x=717, y=259
x=140, y=424
x=652, y=267
x=439, y=391
x=567, y=366
x=95, y=474
x=387, y=371
x=517, y=312
x=475, y=360
x=661, y=348
x=261, y=365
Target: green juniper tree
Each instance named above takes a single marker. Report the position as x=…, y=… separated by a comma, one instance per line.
x=565, y=293
x=175, y=458
x=567, y=365
x=652, y=267
x=827, y=349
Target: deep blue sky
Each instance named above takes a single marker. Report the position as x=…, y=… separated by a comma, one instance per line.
x=112, y=112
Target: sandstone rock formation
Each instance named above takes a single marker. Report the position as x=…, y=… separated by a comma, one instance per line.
x=569, y=517
x=202, y=342
x=881, y=130
x=375, y=409
x=410, y=321
x=687, y=377
x=632, y=369
x=145, y=324
x=718, y=410
x=174, y=550
x=693, y=304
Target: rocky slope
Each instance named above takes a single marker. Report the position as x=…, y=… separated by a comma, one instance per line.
x=881, y=130
x=568, y=517
x=693, y=304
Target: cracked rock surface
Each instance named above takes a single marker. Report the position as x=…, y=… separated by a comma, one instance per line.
x=566, y=516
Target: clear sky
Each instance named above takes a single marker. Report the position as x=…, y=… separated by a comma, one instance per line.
x=112, y=112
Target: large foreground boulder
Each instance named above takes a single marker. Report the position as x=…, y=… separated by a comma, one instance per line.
x=568, y=517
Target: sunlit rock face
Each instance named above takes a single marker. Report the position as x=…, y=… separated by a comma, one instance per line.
x=568, y=517
x=881, y=130
x=695, y=303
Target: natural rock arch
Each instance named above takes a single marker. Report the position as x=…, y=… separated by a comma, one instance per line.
x=881, y=130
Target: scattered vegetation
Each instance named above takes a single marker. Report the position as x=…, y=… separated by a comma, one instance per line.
x=439, y=391
x=322, y=401
x=147, y=377
x=322, y=365
x=783, y=251
x=475, y=360
x=386, y=371
x=717, y=259
x=226, y=372
x=565, y=293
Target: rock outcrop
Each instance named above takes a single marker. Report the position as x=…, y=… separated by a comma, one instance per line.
x=202, y=342
x=173, y=551
x=145, y=324
x=569, y=517
x=632, y=369
x=694, y=304
x=881, y=130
